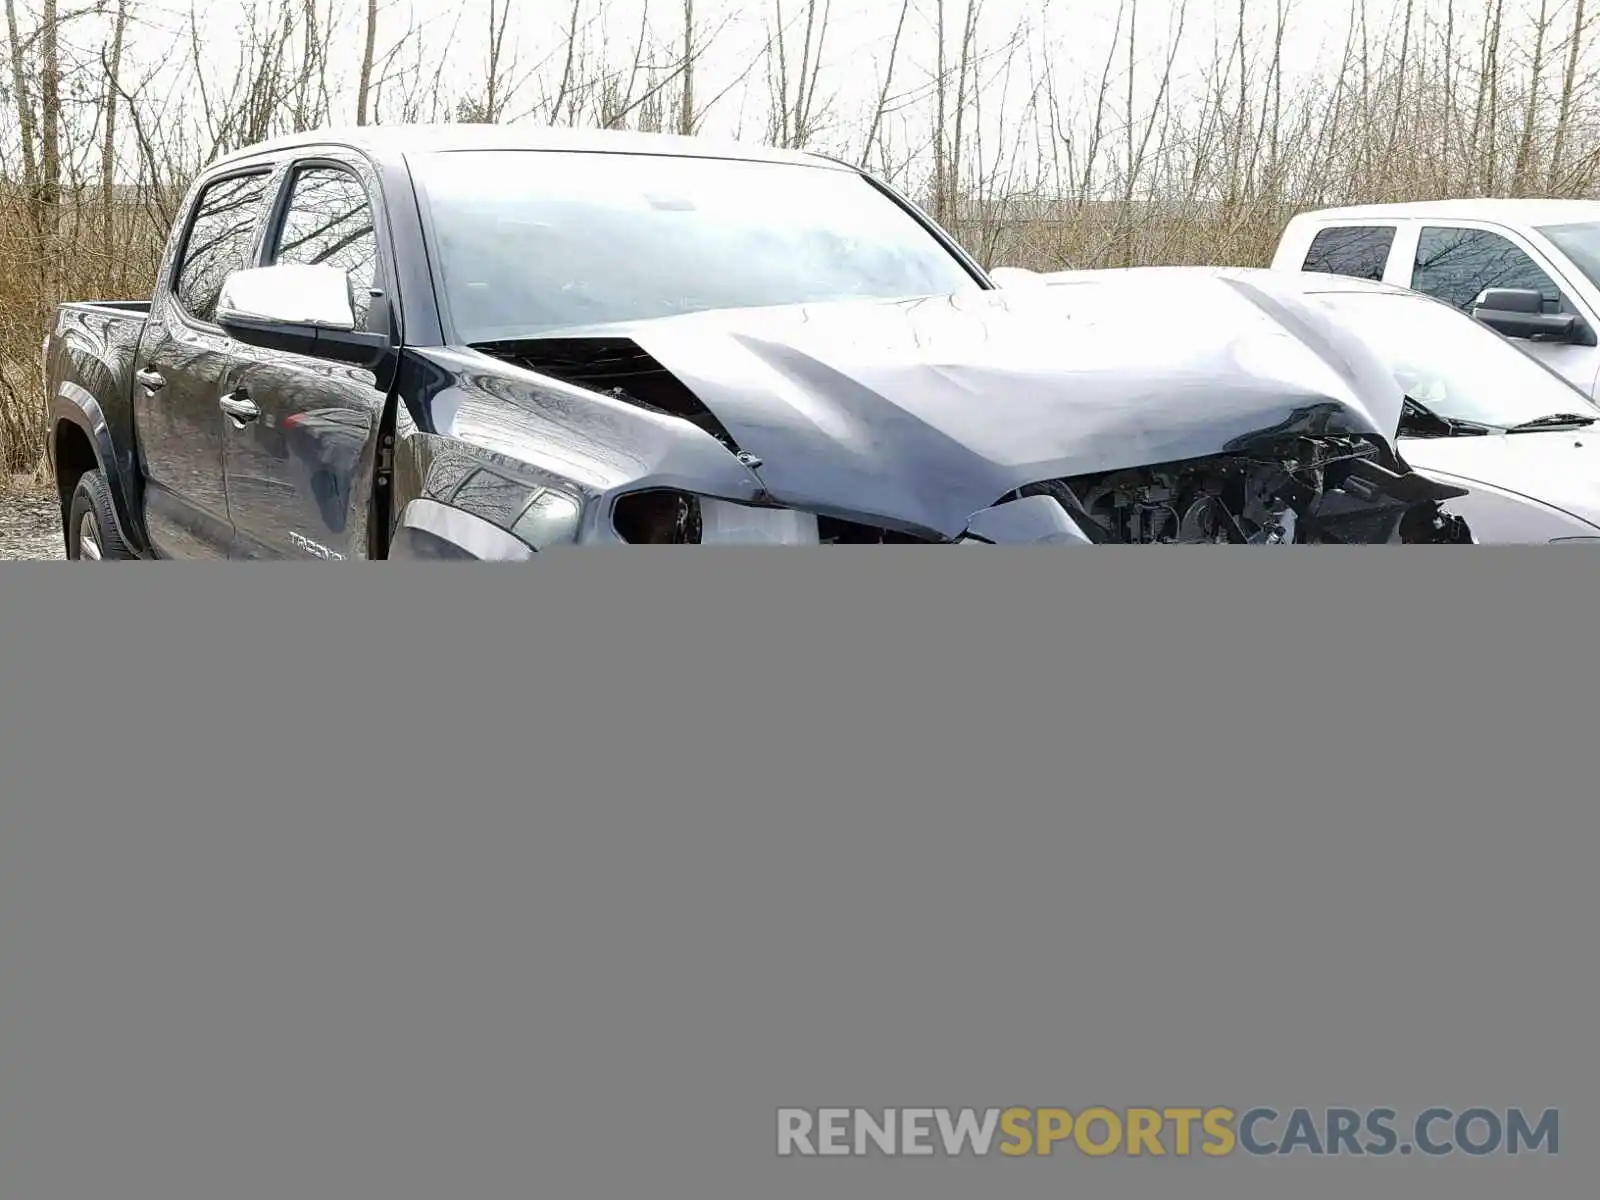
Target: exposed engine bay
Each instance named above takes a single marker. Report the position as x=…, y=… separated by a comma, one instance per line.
x=1309, y=491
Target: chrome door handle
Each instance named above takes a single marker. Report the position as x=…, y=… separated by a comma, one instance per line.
x=239, y=406
x=151, y=380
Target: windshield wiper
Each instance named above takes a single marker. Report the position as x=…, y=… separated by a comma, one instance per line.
x=1555, y=421
x=1427, y=423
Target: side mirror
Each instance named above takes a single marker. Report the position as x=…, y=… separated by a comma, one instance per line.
x=1519, y=313
x=299, y=308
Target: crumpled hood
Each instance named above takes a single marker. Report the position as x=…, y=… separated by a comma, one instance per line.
x=921, y=413
x=1560, y=469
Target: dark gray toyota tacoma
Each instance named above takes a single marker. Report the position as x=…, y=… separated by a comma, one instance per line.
x=479, y=343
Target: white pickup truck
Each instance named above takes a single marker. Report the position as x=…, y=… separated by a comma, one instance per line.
x=1528, y=268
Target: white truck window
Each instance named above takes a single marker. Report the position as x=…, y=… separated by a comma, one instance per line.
x=1360, y=251
x=1580, y=243
x=1458, y=265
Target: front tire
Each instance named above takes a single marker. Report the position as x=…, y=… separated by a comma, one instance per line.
x=92, y=534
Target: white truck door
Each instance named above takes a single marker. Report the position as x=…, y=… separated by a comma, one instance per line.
x=1457, y=261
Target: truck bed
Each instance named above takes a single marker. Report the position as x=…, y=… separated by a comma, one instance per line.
x=93, y=343
x=89, y=359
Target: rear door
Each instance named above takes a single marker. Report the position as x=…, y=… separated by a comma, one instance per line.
x=300, y=472
x=1457, y=261
x=183, y=360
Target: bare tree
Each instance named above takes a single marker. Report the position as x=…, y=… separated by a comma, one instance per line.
x=364, y=89
x=1524, y=164
x=1569, y=93
x=795, y=114
x=108, y=144
x=495, y=84
x=22, y=99
x=686, y=95
x=881, y=108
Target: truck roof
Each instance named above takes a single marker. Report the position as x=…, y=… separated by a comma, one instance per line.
x=391, y=140
x=1525, y=212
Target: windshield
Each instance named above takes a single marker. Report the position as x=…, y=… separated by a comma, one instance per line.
x=1580, y=243
x=1458, y=368
x=530, y=241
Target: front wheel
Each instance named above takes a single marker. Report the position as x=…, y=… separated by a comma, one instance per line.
x=92, y=534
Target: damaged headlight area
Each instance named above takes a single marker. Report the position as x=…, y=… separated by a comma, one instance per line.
x=1302, y=491
x=1307, y=491
x=674, y=518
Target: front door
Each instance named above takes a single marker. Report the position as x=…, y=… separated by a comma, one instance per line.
x=300, y=434
x=1459, y=263
x=183, y=361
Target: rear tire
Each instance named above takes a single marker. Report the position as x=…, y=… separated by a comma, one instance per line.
x=92, y=534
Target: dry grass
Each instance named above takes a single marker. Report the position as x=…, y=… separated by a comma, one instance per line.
x=80, y=257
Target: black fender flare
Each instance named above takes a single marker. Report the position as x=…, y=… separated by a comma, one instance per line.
x=76, y=406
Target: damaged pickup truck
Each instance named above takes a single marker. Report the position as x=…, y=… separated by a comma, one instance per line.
x=476, y=343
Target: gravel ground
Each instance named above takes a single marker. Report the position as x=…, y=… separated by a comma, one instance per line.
x=30, y=521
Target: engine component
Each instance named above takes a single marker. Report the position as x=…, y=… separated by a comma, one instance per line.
x=1307, y=491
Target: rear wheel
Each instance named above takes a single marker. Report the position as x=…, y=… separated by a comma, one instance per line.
x=92, y=534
